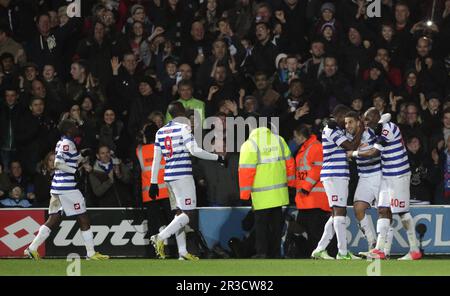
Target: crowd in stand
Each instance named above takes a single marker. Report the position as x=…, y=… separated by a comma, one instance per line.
x=117, y=67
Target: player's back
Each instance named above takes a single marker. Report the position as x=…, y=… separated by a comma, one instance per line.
x=172, y=139
x=394, y=158
x=372, y=165
x=66, y=151
x=335, y=163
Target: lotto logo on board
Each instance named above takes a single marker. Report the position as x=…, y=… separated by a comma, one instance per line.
x=17, y=231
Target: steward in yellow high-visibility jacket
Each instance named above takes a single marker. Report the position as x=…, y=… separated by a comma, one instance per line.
x=266, y=169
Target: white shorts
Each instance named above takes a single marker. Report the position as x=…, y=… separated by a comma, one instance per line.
x=394, y=194
x=337, y=191
x=183, y=191
x=71, y=203
x=368, y=189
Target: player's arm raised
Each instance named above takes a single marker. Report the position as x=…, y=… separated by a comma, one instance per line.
x=194, y=149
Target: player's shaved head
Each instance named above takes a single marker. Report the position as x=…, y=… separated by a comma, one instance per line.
x=67, y=127
x=371, y=117
x=339, y=113
x=176, y=109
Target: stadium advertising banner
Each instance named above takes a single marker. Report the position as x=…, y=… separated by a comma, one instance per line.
x=218, y=225
x=117, y=232
x=122, y=233
x=18, y=229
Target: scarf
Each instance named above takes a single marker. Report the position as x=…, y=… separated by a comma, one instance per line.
x=106, y=167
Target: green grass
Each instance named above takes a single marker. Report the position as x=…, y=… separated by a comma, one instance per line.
x=223, y=267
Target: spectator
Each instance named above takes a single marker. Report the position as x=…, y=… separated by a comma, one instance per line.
x=157, y=118
x=413, y=126
x=393, y=74
x=82, y=82
x=388, y=40
x=298, y=111
x=47, y=46
x=411, y=88
x=292, y=16
x=53, y=84
x=333, y=88
x=137, y=14
x=380, y=103
x=431, y=72
x=43, y=180
x=221, y=183
x=21, y=180
x=36, y=135
x=142, y=106
x=139, y=45
x=16, y=199
x=222, y=87
x=197, y=47
x=264, y=52
x=124, y=85
x=109, y=180
x=432, y=114
x=241, y=17
x=7, y=44
x=5, y=183
x=86, y=137
x=89, y=110
x=11, y=113
x=421, y=172
x=375, y=81
x=355, y=53
x=96, y=50
x=111, y=132
x=441, y=166
x=327, y=16
x=8, y=72
x=270, y=102
x=185, y=91
x=313, y=67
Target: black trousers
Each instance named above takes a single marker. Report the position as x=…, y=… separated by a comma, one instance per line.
x=268, y=227
x=313, y=221
x=158, y=213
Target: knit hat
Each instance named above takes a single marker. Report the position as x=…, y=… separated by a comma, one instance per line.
x=433, y=95
x=279, y=58
x=326, y=25
x=136, y=7
x=328, y=6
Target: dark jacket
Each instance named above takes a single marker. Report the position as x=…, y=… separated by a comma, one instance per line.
x=141, y=108
x=263, y=58
x=42, y=183
x=39, y=52
x=10, y=118
x=221, y=183
x=109, y=192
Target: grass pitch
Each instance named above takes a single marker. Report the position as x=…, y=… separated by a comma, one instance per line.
x=230, y=267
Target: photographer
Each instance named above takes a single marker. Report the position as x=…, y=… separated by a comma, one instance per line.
x=109, y=180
